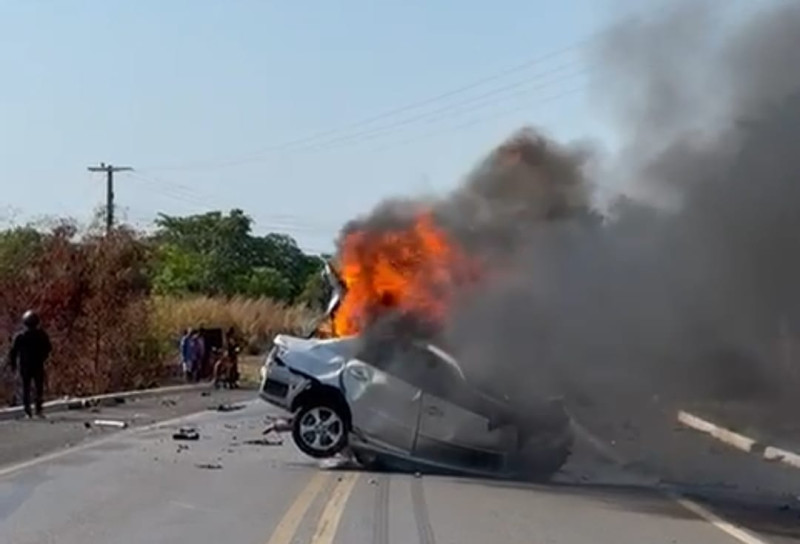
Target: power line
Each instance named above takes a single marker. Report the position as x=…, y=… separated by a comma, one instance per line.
x=285, y=223
x=483, y=119
x=197, y=198
x=437, y=115
x=444, y=112
x=539, y=59
x=387, y=114
x=186, y=194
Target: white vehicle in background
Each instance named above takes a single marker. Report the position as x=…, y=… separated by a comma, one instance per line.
x=407, y=404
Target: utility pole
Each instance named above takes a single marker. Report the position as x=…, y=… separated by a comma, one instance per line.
x=109, y=170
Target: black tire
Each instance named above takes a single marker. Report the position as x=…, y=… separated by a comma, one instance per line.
x=327, y=438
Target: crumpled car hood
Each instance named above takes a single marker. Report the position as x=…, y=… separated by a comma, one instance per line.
x=321, y=359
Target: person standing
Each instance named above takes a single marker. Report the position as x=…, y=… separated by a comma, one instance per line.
x=198, y=355
x=226, y=370
x=29, y=352
x=186, y=353
x=232, y=348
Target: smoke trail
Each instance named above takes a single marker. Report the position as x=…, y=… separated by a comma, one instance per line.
x=685, y=297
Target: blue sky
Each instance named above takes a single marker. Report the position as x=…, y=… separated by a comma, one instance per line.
x=208, y=99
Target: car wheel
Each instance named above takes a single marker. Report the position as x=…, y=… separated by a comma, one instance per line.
x=319, y=429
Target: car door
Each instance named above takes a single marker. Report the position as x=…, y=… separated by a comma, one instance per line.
x=384, y=408
x=455, y=427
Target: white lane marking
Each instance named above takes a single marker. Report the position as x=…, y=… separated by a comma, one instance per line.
x=784, y=456
x=744, y=443
x=5, y=471
x=725, y=526
x=739, y=441
x=701, y=512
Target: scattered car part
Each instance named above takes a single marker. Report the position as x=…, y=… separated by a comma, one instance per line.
x=279, y=426
x=209, y=466
x=228, y=407
x=110, y=423
x=186, y=433
x=264, y=442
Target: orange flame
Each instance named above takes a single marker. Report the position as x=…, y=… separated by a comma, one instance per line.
x=416, y=270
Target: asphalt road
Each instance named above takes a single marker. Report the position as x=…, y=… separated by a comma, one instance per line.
x=140, y=485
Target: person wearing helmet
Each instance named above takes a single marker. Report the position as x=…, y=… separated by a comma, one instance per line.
x=29, y=351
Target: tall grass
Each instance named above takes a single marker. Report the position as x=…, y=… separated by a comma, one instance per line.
x=256, y=320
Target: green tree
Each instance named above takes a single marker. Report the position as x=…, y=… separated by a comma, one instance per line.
x=281, y=252
x=18, y=248
x=265, y=282
x=214, y=253
x=211, y=248
x=180, y=270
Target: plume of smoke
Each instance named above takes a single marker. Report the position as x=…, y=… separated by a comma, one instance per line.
x=640, y=302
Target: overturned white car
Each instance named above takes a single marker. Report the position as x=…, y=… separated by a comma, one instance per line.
x=408, y=404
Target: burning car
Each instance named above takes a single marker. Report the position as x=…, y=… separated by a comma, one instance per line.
x=409, y=402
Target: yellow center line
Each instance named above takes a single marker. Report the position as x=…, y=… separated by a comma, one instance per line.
x=287, y=527
x=332, y=514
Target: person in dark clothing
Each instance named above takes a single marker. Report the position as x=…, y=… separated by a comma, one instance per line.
x=29, y=352
x=226, y=369
x=232, y=347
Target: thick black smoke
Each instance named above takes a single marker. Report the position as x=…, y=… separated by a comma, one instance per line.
x=688, y=296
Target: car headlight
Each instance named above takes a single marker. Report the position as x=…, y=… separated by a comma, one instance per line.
x=263, y=372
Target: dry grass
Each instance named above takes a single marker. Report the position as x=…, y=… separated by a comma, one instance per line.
x=249, y=368
x=256, y=320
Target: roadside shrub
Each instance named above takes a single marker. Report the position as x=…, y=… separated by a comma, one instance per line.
x=109, y=331
x=92, y=296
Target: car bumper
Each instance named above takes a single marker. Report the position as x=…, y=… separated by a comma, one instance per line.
x=279, y=385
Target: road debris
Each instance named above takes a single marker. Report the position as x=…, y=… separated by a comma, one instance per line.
x=228, y=407
x=186, y=433
x=209, y=466
x=182, y=447
x=169, y=402
x=110, y=423
x=278, y=426
x=82, y=404
x=264, y=442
